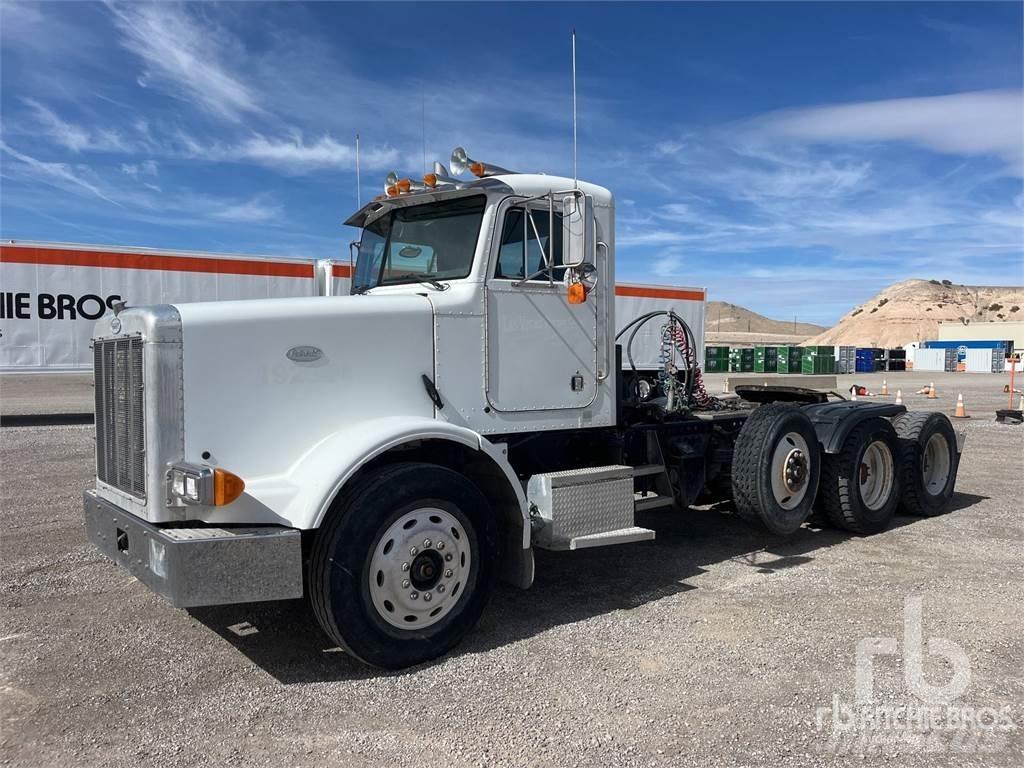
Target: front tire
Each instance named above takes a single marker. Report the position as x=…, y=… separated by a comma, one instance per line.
x=404, y=565
x=775, y=470
x=860, y=484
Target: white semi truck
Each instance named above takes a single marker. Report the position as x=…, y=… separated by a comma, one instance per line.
x=389, y=454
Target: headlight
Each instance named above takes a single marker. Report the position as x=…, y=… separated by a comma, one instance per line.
x=192, y=484
x=189, y=484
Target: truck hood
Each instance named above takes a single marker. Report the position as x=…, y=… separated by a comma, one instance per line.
x=265, y=381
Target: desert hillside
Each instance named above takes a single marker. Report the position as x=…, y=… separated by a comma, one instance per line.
x=727, y=323
x=911, y=310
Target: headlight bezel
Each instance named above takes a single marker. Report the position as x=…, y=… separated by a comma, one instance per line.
x=189, y=485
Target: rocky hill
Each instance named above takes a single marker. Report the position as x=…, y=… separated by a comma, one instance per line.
x=726, y=323
x=911, y=310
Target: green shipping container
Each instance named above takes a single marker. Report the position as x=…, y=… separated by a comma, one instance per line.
x=818, y=364
x=828, y=351
x=789, y=359
x=715, y=365
x=762, y=365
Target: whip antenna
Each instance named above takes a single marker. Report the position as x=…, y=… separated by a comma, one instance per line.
x=359, y=194
x=575, y=181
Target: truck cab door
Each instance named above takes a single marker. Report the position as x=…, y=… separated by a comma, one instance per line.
x=542, y=351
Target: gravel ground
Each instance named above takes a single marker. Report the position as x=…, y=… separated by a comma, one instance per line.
x=712, y=645
x=33, y=393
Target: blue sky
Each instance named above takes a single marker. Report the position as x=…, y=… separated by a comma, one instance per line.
x=793, y=158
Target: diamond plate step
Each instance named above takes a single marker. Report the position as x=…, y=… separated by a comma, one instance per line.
x=621, y=536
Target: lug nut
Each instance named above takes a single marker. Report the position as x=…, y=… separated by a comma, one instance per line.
x=426, y=543
x=448, y=573
x=405, y=566
x=427, y=596
x=414, y=595
x=413, y=550
x=405, y=584
x=440, y=587
x=448, y=557
x=440, y=545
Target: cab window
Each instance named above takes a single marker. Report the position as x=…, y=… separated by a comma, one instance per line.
x=510, y=254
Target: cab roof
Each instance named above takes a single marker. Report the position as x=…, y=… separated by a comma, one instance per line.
x=517, y=184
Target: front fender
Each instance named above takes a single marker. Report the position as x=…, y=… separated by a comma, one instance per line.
x=312, y=483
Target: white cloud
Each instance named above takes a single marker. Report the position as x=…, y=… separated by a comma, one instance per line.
x=145, y=168
x=972, y=123
x=292, y=155
x=184, y=55
x=59, y=174
x=669, y=147
x=75, y=137
x=251, y=212
x=325, y=152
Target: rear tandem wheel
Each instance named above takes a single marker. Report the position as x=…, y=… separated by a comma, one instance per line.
x=776, y=466
x=860, y=485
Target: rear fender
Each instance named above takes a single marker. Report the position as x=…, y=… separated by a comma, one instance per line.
x=834, y=421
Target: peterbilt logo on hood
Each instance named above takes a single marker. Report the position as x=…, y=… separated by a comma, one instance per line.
x=115, y=325
x=304, y=354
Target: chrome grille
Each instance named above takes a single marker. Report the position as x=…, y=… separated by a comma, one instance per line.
x=120, y=430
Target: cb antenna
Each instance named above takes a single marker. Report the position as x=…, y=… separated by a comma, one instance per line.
x=359, y=194
x=575, y=180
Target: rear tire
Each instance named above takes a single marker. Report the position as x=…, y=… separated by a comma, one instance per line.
x=860, y=484
x=930, y=462
x=404, y=564
x=775, y=470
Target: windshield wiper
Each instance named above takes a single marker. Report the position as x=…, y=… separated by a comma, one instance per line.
x=421, y=279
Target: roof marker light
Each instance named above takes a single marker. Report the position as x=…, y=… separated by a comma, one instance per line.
x=462, y=162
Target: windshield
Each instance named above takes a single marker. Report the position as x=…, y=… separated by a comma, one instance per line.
x=422, y=243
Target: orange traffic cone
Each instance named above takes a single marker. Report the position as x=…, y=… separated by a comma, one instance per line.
x=931, y=392
x=899, y=397
x=885, y=388
x=853, y=393
x=961, y=413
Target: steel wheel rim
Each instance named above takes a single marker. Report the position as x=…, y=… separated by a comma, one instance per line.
x=877, y=475
x=791, y=470
x=935, y=464
x=419, y=567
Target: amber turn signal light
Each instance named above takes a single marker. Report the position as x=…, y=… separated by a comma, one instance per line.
x=577, y=293
x=226, y=487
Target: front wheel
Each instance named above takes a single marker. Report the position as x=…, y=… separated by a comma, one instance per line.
x=404, y=565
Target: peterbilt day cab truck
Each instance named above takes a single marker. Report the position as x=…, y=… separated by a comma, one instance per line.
x=391, y=453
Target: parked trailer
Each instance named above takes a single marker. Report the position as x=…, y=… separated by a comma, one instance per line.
x=54, y=292
x=390, y=453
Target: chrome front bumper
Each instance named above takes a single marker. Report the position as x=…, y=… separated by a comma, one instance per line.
x=199, y=566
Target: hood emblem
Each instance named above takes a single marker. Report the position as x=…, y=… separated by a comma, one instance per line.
x=304, y=354
x=115, y=325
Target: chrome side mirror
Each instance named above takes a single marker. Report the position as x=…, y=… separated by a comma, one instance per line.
x=578, y=230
